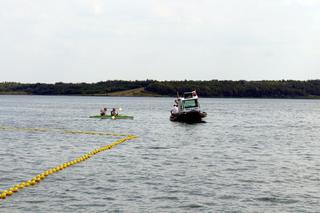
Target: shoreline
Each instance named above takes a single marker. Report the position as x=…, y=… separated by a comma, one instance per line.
x=274, y=89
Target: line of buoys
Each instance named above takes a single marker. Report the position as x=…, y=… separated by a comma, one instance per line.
x=23, y=129
x=38, y=178
x=60, y=130
x=92, y=133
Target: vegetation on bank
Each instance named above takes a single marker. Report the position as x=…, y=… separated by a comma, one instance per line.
x=99, y=88
x=213, y=88
x=139, y=92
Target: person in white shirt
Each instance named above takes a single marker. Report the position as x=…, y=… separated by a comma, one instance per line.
x=103, y=111
x=175, y=109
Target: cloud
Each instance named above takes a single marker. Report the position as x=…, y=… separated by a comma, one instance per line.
x=85, y=40
x=308, y=3
x=96, y=7
x=162, y=9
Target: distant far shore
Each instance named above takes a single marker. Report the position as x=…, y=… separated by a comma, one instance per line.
x=163, y=96
x=149, y=88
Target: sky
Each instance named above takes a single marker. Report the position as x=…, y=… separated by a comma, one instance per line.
x=96, y=40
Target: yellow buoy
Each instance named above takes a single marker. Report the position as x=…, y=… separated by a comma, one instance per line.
x=22, y=185
x=3, y=195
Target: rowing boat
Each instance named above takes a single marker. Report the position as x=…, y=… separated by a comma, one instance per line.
x=112, y=117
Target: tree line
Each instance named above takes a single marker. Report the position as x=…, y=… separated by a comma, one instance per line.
x=254, y=89
x=212, y=88
x=60, y=88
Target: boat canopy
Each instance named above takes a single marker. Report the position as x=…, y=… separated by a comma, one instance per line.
x=189, y=102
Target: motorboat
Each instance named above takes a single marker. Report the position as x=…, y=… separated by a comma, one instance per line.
x=187, y=109
x=113, y=117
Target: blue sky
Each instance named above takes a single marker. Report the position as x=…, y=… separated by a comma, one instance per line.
x=96, y=40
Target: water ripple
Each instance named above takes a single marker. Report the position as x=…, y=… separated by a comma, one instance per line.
x=251, y=155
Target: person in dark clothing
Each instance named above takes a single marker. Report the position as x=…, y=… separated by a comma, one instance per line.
x=103, y=111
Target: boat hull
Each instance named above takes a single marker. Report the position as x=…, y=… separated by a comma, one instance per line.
x=188, y=117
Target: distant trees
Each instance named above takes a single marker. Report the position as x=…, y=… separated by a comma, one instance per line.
x=59, y=88
x=257, y=89
x=212, y=88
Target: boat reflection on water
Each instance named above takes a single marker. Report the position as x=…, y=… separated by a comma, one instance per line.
x=187, y=109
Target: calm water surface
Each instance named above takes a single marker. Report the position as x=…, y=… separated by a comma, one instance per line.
x=251, y=155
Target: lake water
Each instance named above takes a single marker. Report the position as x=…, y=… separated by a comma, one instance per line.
x=251, y=155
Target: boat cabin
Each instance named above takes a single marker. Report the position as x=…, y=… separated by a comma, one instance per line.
x=189, y=102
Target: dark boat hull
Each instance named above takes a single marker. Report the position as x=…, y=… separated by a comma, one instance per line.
x=188, y=117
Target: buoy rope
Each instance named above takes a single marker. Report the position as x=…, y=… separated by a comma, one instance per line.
x=4, y=128
x=38, y=178
x=92, y=133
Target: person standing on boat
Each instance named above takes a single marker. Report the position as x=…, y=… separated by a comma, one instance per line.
x=175, y=109
x=103, y=111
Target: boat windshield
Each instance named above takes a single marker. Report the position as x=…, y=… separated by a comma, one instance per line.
x=190, y=103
